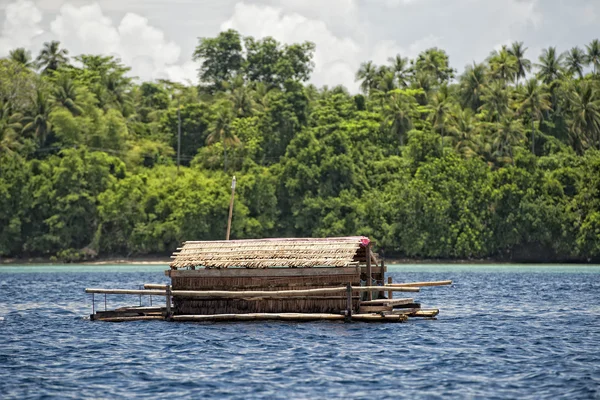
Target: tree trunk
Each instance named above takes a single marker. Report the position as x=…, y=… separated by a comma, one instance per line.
x=401, y=137
x=442, y=142
x=532, y=135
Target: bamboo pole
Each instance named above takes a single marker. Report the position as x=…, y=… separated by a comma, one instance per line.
x=390, y=293
x=127, y=291
x=280, y=293
x=419, y=284
x=348, y=303
x=230, y=208
x=290, y=317
x=154, y=286
x=379, y=318
x=261, y=317
x=248, y=293
x=369, y=271
x=168, y=300
x=265, y=317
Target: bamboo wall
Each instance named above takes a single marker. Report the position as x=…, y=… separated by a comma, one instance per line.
x=264, y=279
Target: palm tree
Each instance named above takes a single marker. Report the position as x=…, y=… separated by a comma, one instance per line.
x=503, y=66
x=21, y=56
x=495, y=100
x=10, y=125
x=401, y=70
x=116, y=93
x=534, y=99
x=584, y=122
x=260, y=96
x=517, y=50
x=509, y=133
x=440, y=104
x=220, y=130
x=398, y=113
x=386, y=81
x=367, y=74
x=483, y=146
x=52, y=57
x=471, y=85
x=593, y=54
x=550, y=65
x=463, y=127
x=425, y=81
x=65, y=93
x=434, y=62
x=575, y=60
x=38, y=123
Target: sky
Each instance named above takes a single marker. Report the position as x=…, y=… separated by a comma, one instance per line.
x=157, y=37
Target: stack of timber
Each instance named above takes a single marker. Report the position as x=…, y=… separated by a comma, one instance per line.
x=275, y=279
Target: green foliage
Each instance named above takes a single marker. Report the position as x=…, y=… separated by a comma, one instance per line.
x=492, y=165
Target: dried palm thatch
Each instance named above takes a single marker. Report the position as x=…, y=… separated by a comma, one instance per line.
x=266, y=253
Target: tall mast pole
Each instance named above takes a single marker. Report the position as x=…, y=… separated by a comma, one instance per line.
x=178, y=134
x=230, y=208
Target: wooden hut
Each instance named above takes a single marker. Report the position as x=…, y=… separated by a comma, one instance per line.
x=273, y=265
x=284, y=279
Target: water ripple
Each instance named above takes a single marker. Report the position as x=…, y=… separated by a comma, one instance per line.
x=503, y=332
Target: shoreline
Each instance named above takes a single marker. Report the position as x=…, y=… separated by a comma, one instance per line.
x=165, y=260
x=40, y=261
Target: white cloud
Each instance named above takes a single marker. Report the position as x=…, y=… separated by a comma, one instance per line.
x=86, y=30
x=336, y=58
x=186, y=73
x=21, y=25
x=396, y=3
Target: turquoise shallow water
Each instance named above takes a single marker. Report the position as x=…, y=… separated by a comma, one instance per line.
x=504, y=331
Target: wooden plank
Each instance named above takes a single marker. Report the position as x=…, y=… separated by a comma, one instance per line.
x=426, y=313
x=421, y=284
x=140, y=309
x=127, y=319
x=404, y=311
x=264, y=272
x=260, y=317
x=390, y=293
x=289, y=317
x=379, y=318
x=408, y=305
x=387, y=302
x=373, y=309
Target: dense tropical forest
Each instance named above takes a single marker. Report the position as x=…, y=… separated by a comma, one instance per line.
x=500, y=161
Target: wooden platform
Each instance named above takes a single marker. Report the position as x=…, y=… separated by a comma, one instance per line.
x=125, y=314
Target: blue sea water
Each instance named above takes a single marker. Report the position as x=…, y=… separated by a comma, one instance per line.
x=504, y=331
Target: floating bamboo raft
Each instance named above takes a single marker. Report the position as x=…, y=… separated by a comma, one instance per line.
x=274, y=279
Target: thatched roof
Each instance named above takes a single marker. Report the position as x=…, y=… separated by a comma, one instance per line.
x=265, y=253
